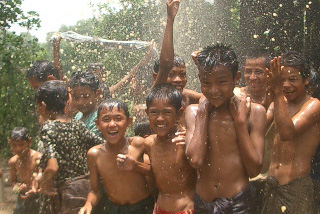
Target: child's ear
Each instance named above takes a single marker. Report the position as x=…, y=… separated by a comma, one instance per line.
x=180, y=111
x=97, y=123
x=98, y=93
x=130, y=120
x=307, y=81
x=238, y=77
x=51, y=77
x=154, y=76
x=194, y=56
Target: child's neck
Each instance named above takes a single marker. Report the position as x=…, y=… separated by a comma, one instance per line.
x=299, y=100
x=167, y=138
x=118, y=146
x=56, y=116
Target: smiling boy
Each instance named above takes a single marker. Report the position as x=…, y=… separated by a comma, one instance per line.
x=225, y=135
x=175, y=178
x=127, y=189
x=296, y=115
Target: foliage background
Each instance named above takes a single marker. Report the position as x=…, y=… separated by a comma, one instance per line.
x=277, y=26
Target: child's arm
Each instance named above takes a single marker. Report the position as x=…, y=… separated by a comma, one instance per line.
x=56, y=55
x=251, y=145
x=95, y=194
x=46, y=181
x=197, y=131
x=115, y=88
x=131, y=161
x=167, y=50
x=13, y=171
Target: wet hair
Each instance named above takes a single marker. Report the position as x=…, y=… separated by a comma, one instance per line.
x=111, y=103
x=143, y=128
x=295, y=59
x=177, y=61
x=54, y=94
x=254, y=53
x=219, y=54
x=165, y=92
x=41, y=69
x=84, y=78
x=93, y=66
x=20, y=133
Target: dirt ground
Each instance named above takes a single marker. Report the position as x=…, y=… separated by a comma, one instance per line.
x=10, y=198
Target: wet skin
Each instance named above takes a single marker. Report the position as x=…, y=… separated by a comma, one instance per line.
x=23, y=164
x=123, y=187
x=222, y=142
x=297, y=121
x=175, y=178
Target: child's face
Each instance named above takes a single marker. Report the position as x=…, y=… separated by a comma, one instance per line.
x=35, y=84
x=19, y=147
x=255, y=74
x=84, y=99
x=162, y=116
x=113, y=124
x=293, y=84
x=217, y=84
x=178, y=77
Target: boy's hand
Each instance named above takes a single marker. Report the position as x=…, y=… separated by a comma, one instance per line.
x=172, y=8
x=125, y=162
x=275, y=76
x=87, y=209
x=204, y=105
x=240, y=109
x=180, y=138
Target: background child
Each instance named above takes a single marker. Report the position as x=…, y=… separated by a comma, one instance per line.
x=42, y=71
x=85, y=94
x=65, y=144
x=225, y=135
x=127, y=189
x=175, y=178
x=23, y=166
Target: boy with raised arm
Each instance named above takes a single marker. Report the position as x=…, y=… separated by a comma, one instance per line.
x=175, y=178
x=296, y=115
x=127, y=189
x=171, y=68
x=225, y=135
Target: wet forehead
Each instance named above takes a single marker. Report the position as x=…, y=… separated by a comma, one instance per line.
x=180, y=68
x=160, y=104
x=115, y=111
x=256, y=63
x=291, y=71
x=216, y=72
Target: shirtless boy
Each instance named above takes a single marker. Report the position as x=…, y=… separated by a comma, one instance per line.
x=296, y=115
x=175, y=178
x=171, y=68
x=225, y=135
x=255, y=75
x=22, y=167
x=127, y=189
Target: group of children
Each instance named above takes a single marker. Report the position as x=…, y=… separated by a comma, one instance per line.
x=198, y=152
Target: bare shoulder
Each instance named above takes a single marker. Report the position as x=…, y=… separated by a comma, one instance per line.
x=313, y=103
x=13, y=160
x=149, y=141
x=37, y=155
x=137, y=142
x=257, y=108
x=192, y=109
x=95, y=151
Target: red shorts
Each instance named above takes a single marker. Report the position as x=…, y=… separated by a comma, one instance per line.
x=157, y=210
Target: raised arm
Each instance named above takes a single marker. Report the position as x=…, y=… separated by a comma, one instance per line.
x=289, y=128
x=197, y=117
x=115, y=88
x=56, y=55
x=94, y=194
x=251, y=144
x=167, y=49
